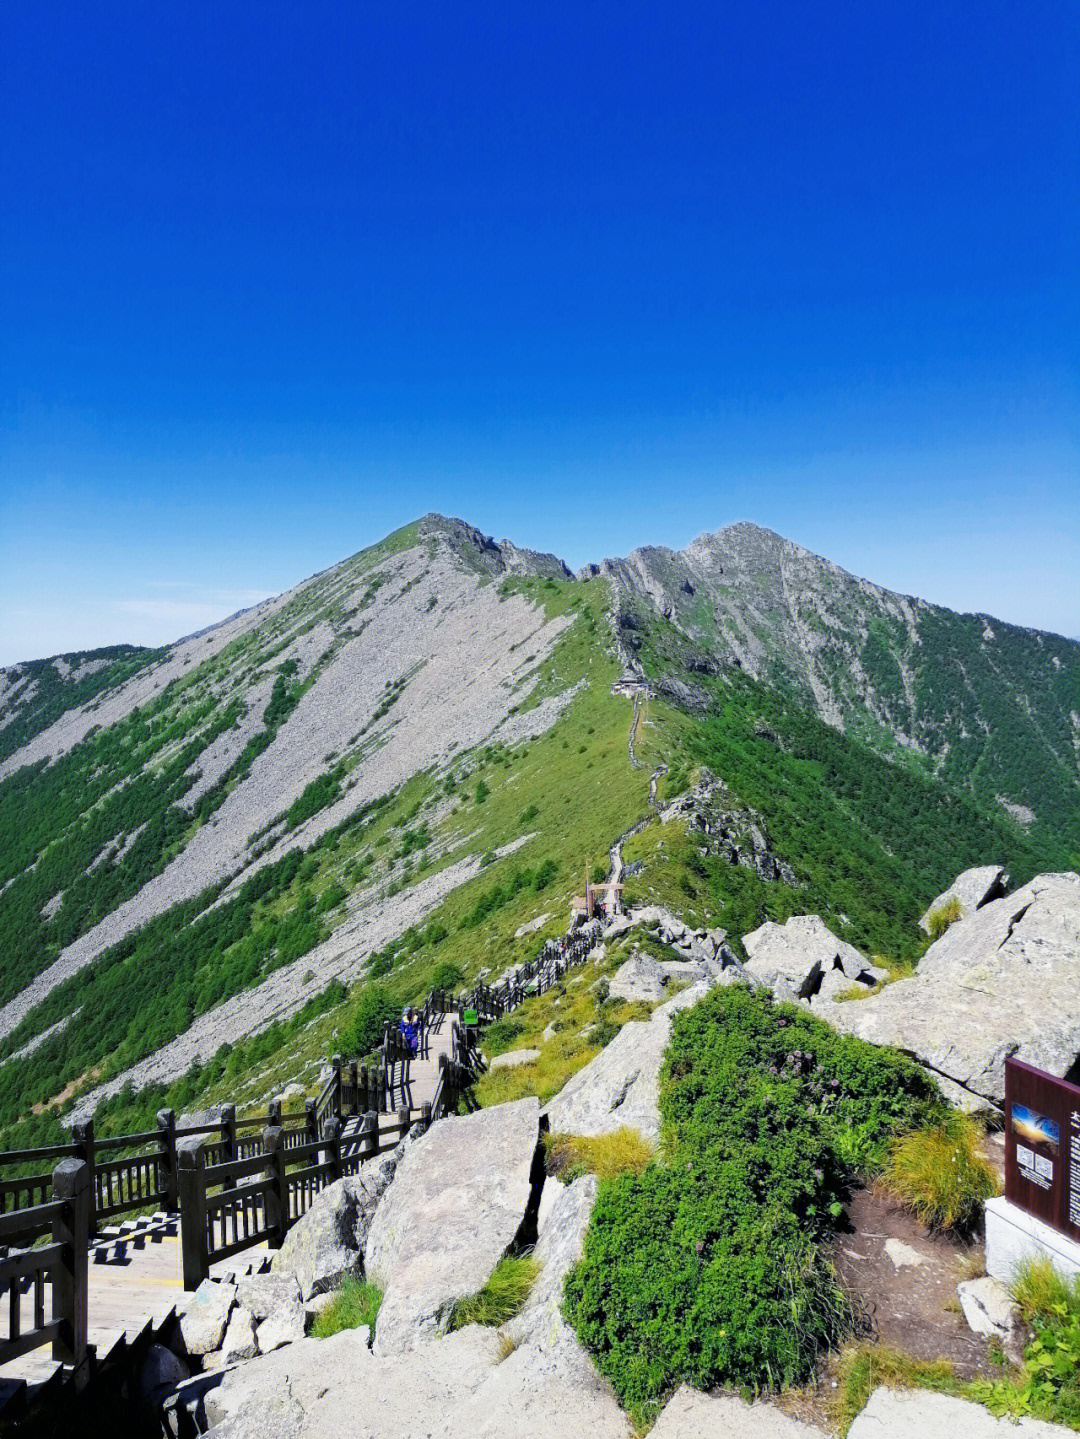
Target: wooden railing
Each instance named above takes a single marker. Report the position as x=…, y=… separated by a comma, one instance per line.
x=59, y=1266
x=236, y=1183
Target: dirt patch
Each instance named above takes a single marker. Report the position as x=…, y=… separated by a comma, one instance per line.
x=904, y=1279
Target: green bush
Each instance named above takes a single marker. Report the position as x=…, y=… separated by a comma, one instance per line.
x=709, y=1269
x=447, y=975
x=362, y=1031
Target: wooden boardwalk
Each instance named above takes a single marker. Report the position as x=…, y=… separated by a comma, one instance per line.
x=136, y=1270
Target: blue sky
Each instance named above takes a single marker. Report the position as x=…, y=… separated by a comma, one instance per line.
x=277, y=279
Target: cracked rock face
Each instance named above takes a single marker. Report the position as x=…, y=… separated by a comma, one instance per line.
x=802, y=947
x=973, y=889
x=620, y=1087
x=457, y=1201
x=1005, y=980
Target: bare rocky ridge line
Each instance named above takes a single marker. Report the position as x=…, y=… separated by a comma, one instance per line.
x=465, y=647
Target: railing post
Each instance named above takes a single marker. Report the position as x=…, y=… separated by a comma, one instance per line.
x=71, y=1229
x=354, y=1093
x=403, y=1116
x=311, y=1110
x=276, y=1198
x=425, y=1116
x=191, y=1192
x=273, y=1114
x=335, y=1065
x=83, y=1135
x=228, y=1142
x=331, y=1154
x=369, y=1135
x=381, y=1097
x=166, y=1123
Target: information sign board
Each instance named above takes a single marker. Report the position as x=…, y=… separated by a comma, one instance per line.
x=1042, y=1145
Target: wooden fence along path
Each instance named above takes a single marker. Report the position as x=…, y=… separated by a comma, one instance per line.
x=236, y=1183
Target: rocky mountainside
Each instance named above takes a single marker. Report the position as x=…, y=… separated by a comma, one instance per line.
x=982, y=703
x=215, y=856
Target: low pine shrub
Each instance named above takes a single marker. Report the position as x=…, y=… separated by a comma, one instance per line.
x=502, y=1297
x=939, y=920
x=941, y=1174
x=709, y=1268
x=355, y=1303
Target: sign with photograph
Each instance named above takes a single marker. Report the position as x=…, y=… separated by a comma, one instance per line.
x=1042, y=1145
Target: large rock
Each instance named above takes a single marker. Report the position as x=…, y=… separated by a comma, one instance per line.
x=202, y=1324
x=918, y=1414
x=973, y=888
x=262, y=1294
x=689, y=1414
x=327, y=1243
x=457, y=1201
x=286, y=1325
x=240, y=1342
x=161, y=1372
x=621, y=1085
x=557, y=1250
x=795, y=949
x=988, y=1307
x=1005, y=980
x=639, y=978
x=514, y=1057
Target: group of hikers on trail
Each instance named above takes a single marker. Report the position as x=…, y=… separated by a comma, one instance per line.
x=410, y=1030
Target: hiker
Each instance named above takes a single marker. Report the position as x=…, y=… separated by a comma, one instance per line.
x=411, y=1031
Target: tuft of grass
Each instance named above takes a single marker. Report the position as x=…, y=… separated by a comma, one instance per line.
x=939, y=920
x=605, y=1155
x=502, y=1297
x=356, y=1303
x=1043, y=1294
x=865, y=1367
x=940, y=1173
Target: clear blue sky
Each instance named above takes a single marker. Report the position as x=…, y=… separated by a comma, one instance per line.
x=277, y=278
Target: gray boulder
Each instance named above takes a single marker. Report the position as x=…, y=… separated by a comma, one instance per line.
x=514, y=1057
x=918, y=1414
x=327, y=1243
x=620, y=1086
x=161, y=1372
x=240, y=1342
x=792, y=950
x=1005, y=980
x=202, y=1324
x=689, y=1414
x=973, y=888
x=262, y=1294
x=988, y=1307
x=558, y=1248
x=457, y=1201
x=286, y=1325
x=639, y=978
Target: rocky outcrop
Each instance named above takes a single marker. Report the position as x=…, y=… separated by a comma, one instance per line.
x=689, y=1414
x=456, y=1204
x=988, y=1307
x=729, y=829
x=972, y=889
x=1005, y=980
x=918, y=1414
x=327, y=1243
x=640, y=977
x=620, y=1087
x=802, y=952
